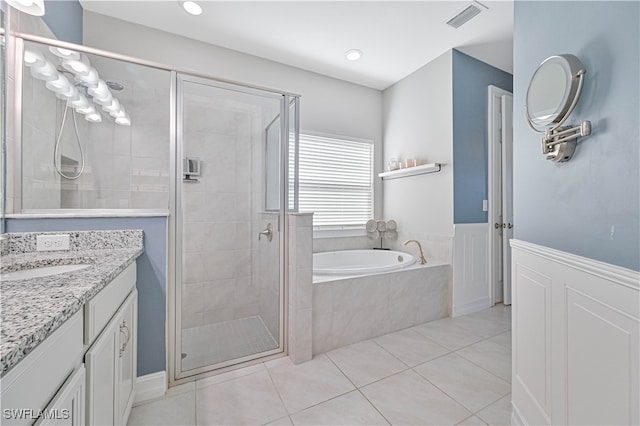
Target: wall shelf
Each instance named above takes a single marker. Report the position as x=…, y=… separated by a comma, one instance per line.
x=411, y=171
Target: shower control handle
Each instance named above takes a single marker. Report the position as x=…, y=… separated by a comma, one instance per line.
x=267, y=233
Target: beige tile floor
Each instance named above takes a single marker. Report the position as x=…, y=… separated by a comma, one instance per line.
x=447, y=372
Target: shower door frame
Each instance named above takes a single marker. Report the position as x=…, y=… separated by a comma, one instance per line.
x=174, y=299
x=15, y=47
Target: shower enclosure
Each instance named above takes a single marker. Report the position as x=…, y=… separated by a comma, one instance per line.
x=232, y=200
x=141, y=139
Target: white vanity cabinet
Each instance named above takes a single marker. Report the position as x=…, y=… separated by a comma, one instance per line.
x=112, y=356
x=67, y=408
x=111, y=368
x=85, y=371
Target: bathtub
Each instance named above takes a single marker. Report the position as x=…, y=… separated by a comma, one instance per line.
x=362, y=294
x=360, y=262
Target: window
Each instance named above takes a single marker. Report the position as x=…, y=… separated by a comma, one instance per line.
x=336, y=181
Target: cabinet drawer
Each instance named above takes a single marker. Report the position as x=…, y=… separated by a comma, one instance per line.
x=32, y=383
x=99, y=310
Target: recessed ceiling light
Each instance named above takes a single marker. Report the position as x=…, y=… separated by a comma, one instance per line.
x=192, y=7
x=353, y=54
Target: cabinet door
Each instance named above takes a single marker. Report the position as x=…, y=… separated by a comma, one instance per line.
x=127, y=356
x=68, y=407
x=100, y=362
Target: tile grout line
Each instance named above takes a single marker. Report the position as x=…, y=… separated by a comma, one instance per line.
x=478, y=365
x=286, y=410
x=360, y=391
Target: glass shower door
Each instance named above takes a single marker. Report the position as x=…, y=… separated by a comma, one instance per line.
x=229, y=244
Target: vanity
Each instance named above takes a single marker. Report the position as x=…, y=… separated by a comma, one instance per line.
x=68, y=347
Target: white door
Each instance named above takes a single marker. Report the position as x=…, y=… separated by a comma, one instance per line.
x=507, y=194
x=500, y=193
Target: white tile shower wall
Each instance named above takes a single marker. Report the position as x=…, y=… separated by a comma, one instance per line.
x=350, y=310
x=300, y=286
x=126, y=167
x=218, y=248
x=267, y=273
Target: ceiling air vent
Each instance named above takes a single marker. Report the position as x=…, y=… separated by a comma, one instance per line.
x=466, y=14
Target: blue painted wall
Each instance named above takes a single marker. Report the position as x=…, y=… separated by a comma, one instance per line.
x=471, y=79
x=152, y=276
x=589, y=206
x=64, y=18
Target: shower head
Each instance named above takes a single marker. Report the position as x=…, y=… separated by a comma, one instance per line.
x=114, y=85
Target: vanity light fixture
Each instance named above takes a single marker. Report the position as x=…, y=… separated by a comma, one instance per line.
x=353, y=54
x=32, y=7
x=86, y=84
x=191, y=7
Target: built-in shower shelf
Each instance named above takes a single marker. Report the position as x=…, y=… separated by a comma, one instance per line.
x=411, y=171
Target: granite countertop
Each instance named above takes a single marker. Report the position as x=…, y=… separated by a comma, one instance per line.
x=31, y=309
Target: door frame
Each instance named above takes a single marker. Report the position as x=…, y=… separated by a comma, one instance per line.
x=174, y=236
x=494, y=187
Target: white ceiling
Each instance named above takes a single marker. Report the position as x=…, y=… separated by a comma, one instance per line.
x=397, y=37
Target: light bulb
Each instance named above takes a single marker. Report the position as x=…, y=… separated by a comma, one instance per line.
x=93, y=117
x=77, y=66
x=32, y=7
x=91, y=79
x=192, y=7
x=101, y=89
x=114, y=106
x=90, y=109
x=353, y=54
x=120, y=113
x=124, y=121
x=67, y=93
x=59, y=84
x=45, y=71
x=79, y=103
x=32, y=58
x=65, y=53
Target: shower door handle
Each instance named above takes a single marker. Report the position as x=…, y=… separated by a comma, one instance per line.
x=267, y=233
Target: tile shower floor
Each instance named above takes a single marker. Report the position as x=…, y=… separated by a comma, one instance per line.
x=231, y=340
x=446, y=372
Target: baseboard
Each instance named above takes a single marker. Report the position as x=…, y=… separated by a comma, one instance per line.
x=150, y=387
x=471, y=307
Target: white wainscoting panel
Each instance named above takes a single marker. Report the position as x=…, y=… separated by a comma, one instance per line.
x=471, y=291
x=532, y=344
x=576, y=339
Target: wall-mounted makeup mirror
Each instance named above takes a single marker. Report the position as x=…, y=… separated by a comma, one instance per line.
x=553, y=93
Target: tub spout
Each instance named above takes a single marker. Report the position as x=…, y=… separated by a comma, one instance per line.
x=421, y=260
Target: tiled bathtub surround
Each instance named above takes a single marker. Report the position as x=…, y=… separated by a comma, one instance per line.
x=349, y=310
x=31, y=309
x=300, y=286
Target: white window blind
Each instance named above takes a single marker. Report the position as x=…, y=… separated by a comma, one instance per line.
x=335, y=181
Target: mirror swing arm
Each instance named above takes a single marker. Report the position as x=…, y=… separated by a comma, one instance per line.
x=559, y=142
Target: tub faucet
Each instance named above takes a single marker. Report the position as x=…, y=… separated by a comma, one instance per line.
x=421, y=260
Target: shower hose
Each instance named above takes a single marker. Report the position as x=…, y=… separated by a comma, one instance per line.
x=57, y=147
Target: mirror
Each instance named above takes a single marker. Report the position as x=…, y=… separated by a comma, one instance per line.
x=552, y=95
